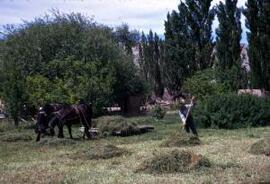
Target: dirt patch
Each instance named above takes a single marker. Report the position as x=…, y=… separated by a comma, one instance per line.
x=261, y=147
x=102, y=152
x=56, y=142
x=16, y=137
x=173, y=162
x=181, y=139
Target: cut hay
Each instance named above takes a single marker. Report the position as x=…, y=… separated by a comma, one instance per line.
x=261, y=147
x=112, y=124
x=181, y=139
x=16, y=137
x=56, y=142
x=173, y=162
x=119, y=126
x=104, y=152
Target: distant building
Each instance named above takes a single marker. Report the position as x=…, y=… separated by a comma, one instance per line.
x=244, y=57
x=254, y=92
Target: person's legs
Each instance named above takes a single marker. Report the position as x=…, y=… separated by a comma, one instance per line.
x=187, y=128
x=191, y=125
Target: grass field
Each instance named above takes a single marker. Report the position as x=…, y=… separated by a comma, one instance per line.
x=28, y=162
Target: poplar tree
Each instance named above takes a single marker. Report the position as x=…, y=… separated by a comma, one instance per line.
x=151, y=61
x=228, y=42
x=188, y=41
x=257, y=14
x=200, y=17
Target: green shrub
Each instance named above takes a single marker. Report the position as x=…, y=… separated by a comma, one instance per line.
x=158, y=112
x=232, y=111
x=206, y=83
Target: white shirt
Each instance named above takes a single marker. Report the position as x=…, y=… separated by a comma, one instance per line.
x=182, y=116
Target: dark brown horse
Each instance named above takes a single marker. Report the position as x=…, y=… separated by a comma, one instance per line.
x=72, y=114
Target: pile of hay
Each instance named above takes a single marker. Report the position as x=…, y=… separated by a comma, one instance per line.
x=56, y=142
x=103, y=152
x=16, y=137
x=180, y=139
x=174, y=161
x=261, y=147
x=110, y=125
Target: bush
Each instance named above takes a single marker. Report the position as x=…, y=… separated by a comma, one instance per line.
x=206, y=83
x=158, y=112
x=232, y=111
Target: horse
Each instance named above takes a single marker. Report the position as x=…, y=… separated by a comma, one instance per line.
x=44, y=115
x=68, y=115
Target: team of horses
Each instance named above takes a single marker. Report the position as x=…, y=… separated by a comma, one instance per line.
x=52, y=115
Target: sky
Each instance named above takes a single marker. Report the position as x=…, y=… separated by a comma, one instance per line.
x=142, y=15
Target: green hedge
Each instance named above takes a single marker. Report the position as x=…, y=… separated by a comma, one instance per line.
x=232, y=111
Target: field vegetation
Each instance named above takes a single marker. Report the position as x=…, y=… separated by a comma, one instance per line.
x=121, y=159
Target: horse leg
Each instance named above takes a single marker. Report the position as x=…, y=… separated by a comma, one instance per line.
x=61, y=132
x=86, y=130
x=52, y=132
x=38, y=137
x=69, y=131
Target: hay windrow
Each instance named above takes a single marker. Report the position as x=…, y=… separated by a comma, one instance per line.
x=261, y=147
x=181, y=139
x=56, y=142
x=16, y=137
x=109, y=125
x=173, y=162
x=103, y=152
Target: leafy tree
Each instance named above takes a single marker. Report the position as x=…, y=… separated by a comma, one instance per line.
x=258, y=21
x=13, y=82
x=228, y=39
x=66, y=57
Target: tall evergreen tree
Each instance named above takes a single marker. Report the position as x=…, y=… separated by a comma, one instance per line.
x=258, y=23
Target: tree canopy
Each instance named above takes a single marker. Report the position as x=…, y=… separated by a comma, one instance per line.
x=64, y=58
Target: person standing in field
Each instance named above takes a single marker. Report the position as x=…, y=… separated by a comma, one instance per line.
x=186, y=116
